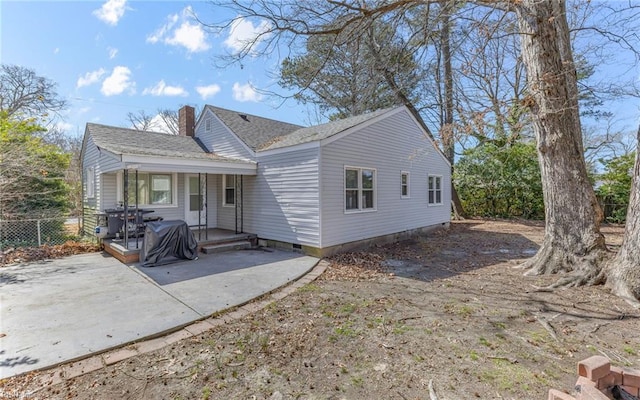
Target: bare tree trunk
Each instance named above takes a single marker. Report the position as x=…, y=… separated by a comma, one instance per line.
x=572, y=241
x=623, y=272
x=447, y=134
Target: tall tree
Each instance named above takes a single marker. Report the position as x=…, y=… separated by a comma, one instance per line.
x=24, y=94
x=32, y=171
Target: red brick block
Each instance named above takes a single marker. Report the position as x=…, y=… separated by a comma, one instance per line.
x=632, y=390
x=558, y=395
x=594, y=367
x=631, y=377
x=606, y=382
x=616, y=372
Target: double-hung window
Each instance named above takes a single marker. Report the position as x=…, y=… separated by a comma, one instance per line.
x=404, y=185
x=435, y=190
x=359, y=189
x=229, y=190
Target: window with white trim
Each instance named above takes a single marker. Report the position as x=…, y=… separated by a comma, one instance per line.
x=207, y=125
x=404, y=185
x=435, y=190
x=154, y=189
x=228, y=190
x=359, y=189
x=90, y=179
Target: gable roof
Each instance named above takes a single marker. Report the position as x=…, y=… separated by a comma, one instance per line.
x=260, y=133
x=253, y=130
x=322, y=131
x=130, y=141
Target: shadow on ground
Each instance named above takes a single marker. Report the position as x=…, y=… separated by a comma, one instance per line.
x=211, y=264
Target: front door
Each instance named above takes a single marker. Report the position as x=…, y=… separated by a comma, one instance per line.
x=195, y=200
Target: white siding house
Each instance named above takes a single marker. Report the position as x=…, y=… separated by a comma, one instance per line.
x=320, y=189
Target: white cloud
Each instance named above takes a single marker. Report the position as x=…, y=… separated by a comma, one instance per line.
x=245, y=93
x=207, y=91
x=189, y=35
x=160, y=33
x=113, y=52
x=118, y=82
x=243, y=35
x=90, y=78
x=162, y=89
x=111, y=11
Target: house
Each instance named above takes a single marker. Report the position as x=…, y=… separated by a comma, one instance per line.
x=320, y=189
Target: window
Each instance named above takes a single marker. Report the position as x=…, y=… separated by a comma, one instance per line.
x=229, y=190
x=153, y=189
x=404, y=185
x=207, y=125
x=359, y=186
x=90, y=179
x=435, y=189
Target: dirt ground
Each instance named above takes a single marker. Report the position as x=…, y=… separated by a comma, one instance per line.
x=446, y=312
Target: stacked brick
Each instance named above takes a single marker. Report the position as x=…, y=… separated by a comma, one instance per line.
x=597, y=380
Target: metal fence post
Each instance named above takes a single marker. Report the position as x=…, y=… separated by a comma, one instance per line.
x=39, y=234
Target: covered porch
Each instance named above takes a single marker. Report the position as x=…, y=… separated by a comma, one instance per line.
x=207, y=193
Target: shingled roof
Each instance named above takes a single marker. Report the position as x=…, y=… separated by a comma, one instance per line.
x=254, y=131
x=323, y=131
x=266, y=134
x=130, y=141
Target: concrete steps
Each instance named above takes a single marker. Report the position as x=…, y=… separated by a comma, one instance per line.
x=230, y=246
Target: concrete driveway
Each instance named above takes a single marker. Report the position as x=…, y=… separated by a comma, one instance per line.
x=59, y=310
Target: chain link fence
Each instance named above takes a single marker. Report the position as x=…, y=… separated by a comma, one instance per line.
x=38, y=232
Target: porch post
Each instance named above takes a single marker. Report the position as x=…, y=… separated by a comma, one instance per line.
x=199, y=206
x=135, y=218
x=125, y=193
x=206, y=205
x=241, y=203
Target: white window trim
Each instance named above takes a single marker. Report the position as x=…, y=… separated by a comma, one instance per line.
x=224, y=191
x=434, y=204
x=132, y=175
x=91, y=182
x=408, y=195
x=375, y=190
x=207, y=124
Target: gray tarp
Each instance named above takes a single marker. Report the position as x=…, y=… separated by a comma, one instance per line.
x=167, y=240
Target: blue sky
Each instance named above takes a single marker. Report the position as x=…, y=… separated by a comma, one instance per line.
x=114, y=57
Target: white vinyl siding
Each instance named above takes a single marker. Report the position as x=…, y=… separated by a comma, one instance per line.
x=220, y=139
x=282, y=201
x=389, y=146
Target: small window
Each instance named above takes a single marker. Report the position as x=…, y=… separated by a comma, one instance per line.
x=435, y=190
x=207, y=125
x=90, y=179
x=360, y=187
x=229, y=190
x=404, y=185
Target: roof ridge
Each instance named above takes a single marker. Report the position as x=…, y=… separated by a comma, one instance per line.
x=253, y=115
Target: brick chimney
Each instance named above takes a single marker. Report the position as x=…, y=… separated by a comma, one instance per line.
x=186, y=121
